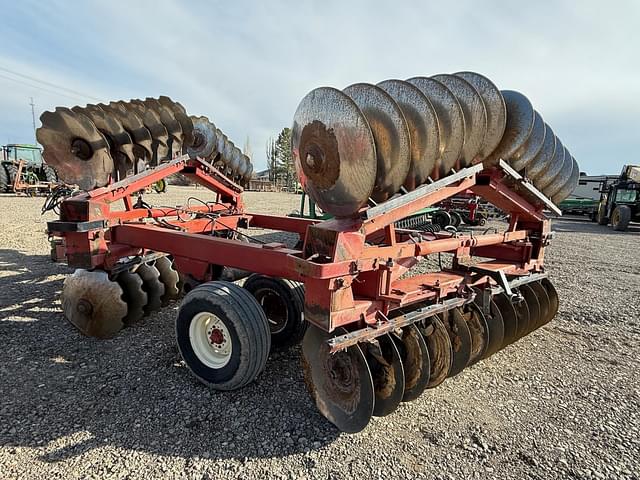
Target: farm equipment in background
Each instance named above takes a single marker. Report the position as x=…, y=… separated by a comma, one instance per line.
x=23, y=169
x=620, y=199
x=579, y=206
x=373, y=331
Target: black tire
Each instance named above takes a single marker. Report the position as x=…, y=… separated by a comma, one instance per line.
x=600, y=216
x=620, y=218
x=4, y=179
x=442, y=218
x=50, y=174
x=247, y=328
x=12, y=172
x=456, y=219
x=283, y=304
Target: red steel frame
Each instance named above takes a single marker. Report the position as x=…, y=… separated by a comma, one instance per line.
x=353, y=269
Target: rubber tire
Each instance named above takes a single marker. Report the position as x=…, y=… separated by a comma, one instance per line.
x=442, y=218
x=4, y=179
x=600, y=217
x=456, y=219
x=620, y=218
x=247, y=325
x=292, y=293
x=50, y=174
x=12, y=171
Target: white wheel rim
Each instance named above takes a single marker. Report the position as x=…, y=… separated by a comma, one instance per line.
x=210, y=340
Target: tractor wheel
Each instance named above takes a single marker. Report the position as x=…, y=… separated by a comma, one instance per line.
x=283, y=304
x=4, y=178
x=456, y=219
x=12, y=171
x=621, y=218
x=601, y=215
x=223, y=335
x=50, y=174
x=160, y=186
x=442, y=218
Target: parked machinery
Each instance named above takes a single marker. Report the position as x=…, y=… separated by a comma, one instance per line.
x=620, y=199
x=22, y=169
x=372, y=333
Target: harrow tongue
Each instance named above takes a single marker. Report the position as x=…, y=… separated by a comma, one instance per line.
x=374, y=332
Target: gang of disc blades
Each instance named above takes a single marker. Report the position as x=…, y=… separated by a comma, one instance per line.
x=554, y=301
x=135, y=128
x=533, y=305
x=543, y=302
x=524, y=319
x=495, y=108
x=93, y=304
x=340, y=384
x=520, y=118
x=479, y=331
x=531, y=148
x=387, y=373
x=562, y=177
x=509, y=318
x=450, y=122
x=495, y=324
x=75, y=148
x=169, y=278
x=159, y=135
x=475, y=116
x=571, y=184
x=390, y=134
x=334, y=151
x=236, y=158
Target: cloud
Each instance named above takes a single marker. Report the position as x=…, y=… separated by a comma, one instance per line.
x=247, y=65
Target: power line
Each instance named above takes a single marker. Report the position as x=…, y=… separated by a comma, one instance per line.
x=33, y=79
x=41, y=88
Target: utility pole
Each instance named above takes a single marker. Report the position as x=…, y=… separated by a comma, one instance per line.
x=33, y=120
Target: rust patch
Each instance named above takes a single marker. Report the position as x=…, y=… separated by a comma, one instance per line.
x=319, y=155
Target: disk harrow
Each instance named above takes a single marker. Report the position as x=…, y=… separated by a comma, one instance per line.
x=374, y=333
x=366, y=143
x=94, y=145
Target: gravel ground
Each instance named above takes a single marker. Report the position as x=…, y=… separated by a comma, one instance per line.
x=563, y=402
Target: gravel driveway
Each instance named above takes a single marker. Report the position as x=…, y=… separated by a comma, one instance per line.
x=563, y=402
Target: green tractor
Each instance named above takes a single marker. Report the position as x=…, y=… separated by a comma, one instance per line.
x=33, y=170
x=620, y=200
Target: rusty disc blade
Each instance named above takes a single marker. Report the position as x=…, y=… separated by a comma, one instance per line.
x=169, y=278
x=340, y=384
x=168, y=119
x=75, y=148
x=440, y=349
x=544, y=157
x=387, y=373
x=152, y=285
x=533, y=305
x=509, y=318
x=495, y=324
x=135, y=128
x=424, y=131
x=524, y=320
x=244, y=166
x=543, y=301
x=554, y=167
x=495, y=108
x=390, y=134
x=204, y=142
x=112, y=129
x=475, y=115
x=180, y=114
x=236, y=158
x=570, y=186
x=450, y=122
x=159, y=135
x=562, y=177
x=479, y=331
x=554, y=301
x=460, y=340
x=93, y=304
x=520, y=118
x=532, y=147
x=415, y=361
x=334, y=151
x=134, y=296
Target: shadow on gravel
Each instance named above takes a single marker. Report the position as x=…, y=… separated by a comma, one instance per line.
x=584, y=225
x=66, y=394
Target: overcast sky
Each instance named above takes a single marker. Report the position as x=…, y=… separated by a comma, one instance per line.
x=246, y=65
